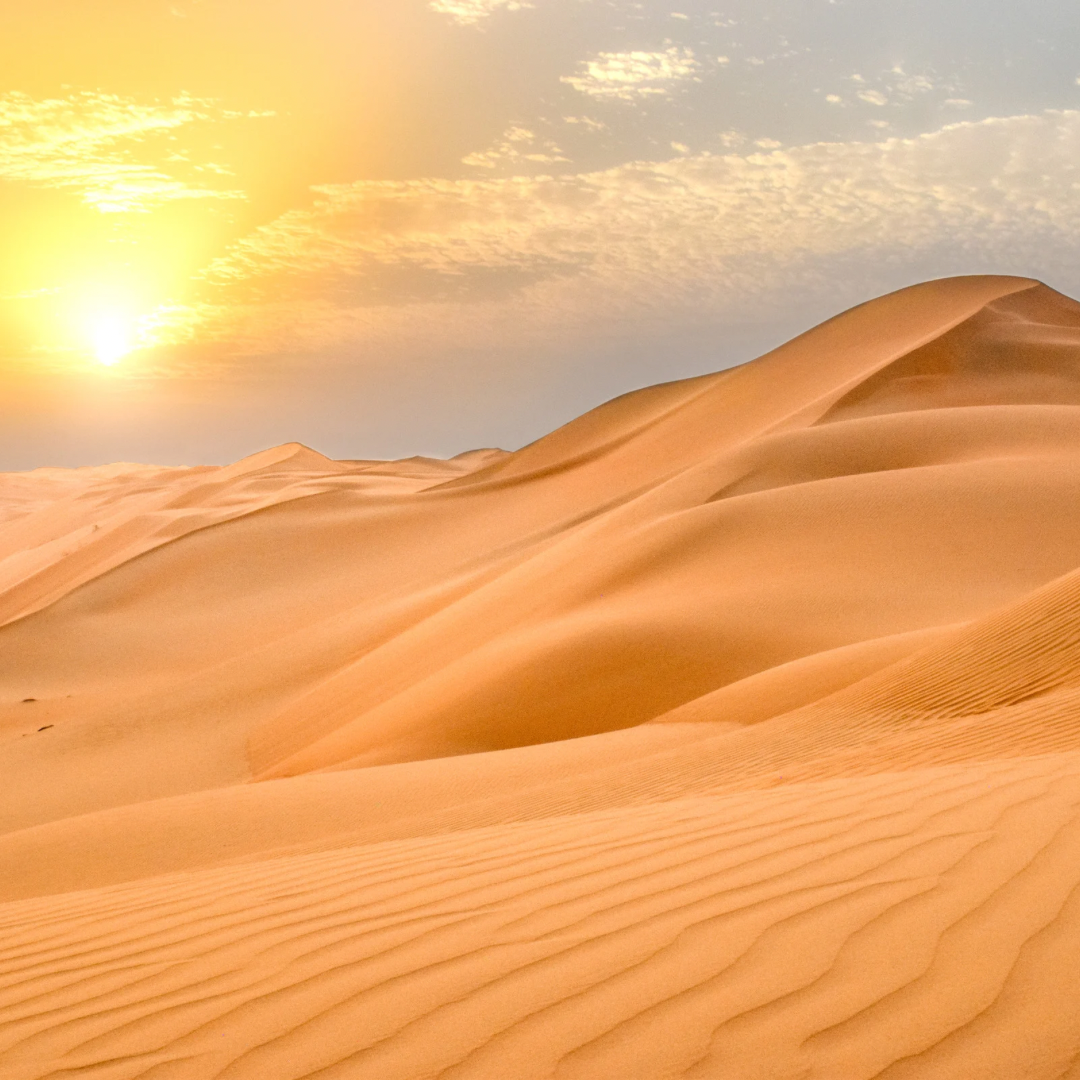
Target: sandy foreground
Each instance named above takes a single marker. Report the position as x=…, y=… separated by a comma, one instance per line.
x=730, y=731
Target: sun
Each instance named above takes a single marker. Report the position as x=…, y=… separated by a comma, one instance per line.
x=110, y=335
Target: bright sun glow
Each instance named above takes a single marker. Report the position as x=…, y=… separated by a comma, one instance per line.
x=111, y=337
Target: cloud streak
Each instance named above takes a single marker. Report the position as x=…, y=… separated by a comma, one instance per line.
x=89, y=143
x=517, y=149
x=472, y=12
x=632, y=76
x=697, y=233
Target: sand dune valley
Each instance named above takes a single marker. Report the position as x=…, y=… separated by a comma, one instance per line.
x=730, y=731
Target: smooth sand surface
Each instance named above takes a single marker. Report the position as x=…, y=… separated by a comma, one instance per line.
x=730, y=731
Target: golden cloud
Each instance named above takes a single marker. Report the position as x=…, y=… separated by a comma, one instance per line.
x=471, y=12
x=88, y=142
x=518, y=148
x=630, y=76
x=704, y=232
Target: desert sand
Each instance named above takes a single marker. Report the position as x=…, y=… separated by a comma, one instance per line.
x=730, y=731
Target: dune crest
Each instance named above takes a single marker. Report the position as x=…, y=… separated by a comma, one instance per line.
x=730, y=731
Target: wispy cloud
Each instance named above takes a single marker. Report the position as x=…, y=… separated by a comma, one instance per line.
x=518, y=148
x=585, y=122
x=32, y=294
x=90, y=143
x=631, y=76
x=471, y=12
x=896, y=87
x=698, y=233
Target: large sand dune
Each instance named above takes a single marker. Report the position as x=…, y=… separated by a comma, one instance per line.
x=730, y=731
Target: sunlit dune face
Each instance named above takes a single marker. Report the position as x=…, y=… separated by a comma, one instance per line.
x=111, y=338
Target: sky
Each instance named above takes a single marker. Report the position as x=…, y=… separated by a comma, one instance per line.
x=391, y=227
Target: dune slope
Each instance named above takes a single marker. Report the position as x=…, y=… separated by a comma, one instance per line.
x=730, y=731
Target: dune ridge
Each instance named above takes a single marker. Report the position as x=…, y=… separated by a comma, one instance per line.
x=730, y=731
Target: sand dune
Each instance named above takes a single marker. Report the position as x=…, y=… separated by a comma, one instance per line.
x=730, y=731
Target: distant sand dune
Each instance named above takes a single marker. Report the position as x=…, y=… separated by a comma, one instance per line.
x=730, y=731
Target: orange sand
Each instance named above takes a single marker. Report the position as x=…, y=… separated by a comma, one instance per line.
x=730, y=731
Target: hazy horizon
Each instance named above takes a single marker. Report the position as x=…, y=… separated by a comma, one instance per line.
x=422, y=227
